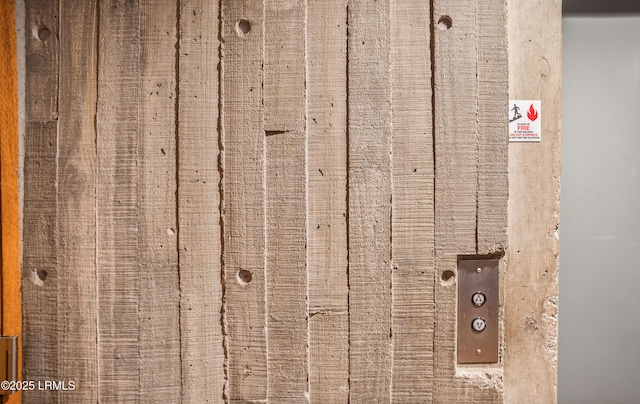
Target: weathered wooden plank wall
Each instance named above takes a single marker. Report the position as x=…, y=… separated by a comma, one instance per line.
x=256, y=201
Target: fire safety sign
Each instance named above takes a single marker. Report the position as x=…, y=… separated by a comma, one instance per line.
x=525, y=120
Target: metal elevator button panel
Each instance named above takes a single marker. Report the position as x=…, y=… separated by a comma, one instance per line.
x=478, y=308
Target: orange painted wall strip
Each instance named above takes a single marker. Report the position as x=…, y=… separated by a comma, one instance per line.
x=9, y=201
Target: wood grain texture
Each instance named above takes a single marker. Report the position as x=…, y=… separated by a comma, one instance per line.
x=413, y=210
x=39, y=257
x=329, y=329
x=244, y=200
x=493, y=145
x=40, y=215
x=327, y=201
x=42, y=17
x=369, y=114
x=10, y=290
x=286, y=200
x=199, y=230
x=76, y=205
x=456, y=141
x=118, y=204
x=531, y=279
x=159, y=294
x=462, y=178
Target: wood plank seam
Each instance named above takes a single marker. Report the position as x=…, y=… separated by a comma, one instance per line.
x=348, y=203
x=436, y=269
x=96, y=202
x=265, y=259
x=477, y=155
x=177, y=223
x=221, y=168
x=176, y=132
x=221, y=205
x=305, y=112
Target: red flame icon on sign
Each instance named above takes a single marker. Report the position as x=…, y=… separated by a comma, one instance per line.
x=532, y=114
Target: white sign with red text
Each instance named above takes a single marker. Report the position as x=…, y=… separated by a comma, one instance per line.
x=525, y=120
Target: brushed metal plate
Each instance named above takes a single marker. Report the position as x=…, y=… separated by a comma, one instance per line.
x=474, y=346
x=9, y=362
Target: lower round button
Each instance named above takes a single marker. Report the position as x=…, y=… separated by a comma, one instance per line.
x=478, y=324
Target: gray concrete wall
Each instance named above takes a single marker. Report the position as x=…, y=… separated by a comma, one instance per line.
x=599, y=352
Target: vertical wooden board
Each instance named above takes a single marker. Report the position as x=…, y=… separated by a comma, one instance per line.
x=117, y=202
x=457, y=144
x=531, y=279
x=244, y=206
x=285, y=198
x=287, y=330
x=327, y=195
x=331, y=329
x=369, y=114
x=493, y=141
x=284, y=67
x=413, y=214
x=42, y=55
x=40, y=246
x=199, y=206
x=39, y=257
x=158, y=306
x=76, y=189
